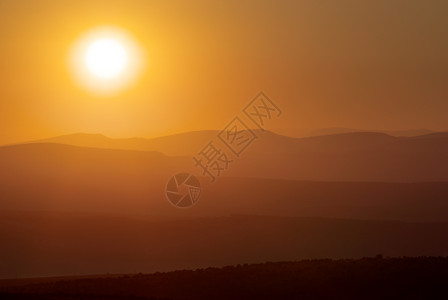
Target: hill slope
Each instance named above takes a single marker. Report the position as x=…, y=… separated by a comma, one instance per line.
x=368, y=278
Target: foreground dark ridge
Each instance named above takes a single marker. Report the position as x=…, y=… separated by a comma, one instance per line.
x=367, y=278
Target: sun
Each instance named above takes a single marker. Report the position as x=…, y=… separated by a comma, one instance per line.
x=106, y=60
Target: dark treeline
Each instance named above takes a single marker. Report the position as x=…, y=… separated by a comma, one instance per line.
x=367, y=278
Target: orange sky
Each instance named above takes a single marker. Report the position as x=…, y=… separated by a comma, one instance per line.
x=375, y=64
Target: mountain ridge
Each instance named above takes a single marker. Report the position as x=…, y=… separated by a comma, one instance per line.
x=192, y=142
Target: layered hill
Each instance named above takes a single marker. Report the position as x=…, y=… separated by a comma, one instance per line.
x=71, y=209
x=363, y=156
x=360, y=175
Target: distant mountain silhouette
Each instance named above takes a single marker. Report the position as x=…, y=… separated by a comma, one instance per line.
x=180, y=144
x=56, y=176
x=397, y=133
x=435, y=135
x=189, y=143
x=348, y=157
x=70, y=178
x=362, y=156
x=42, y=176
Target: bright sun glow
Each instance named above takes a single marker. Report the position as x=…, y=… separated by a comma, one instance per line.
x=106, y=60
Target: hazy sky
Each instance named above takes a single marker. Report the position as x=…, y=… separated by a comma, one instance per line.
x=374, y=64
